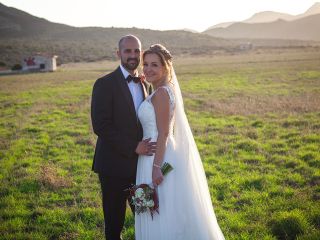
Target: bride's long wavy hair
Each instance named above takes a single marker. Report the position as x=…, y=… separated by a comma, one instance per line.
x=164, y=55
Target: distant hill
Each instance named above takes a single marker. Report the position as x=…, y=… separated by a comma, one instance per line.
x=16, y=23
x=307, y=28
x=261, y=17
x=220, y=25
x=314, y=9
x=22, y=34
x=269, y=16
x=189, y=30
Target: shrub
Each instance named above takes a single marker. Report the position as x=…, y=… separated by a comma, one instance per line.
x=16, y=67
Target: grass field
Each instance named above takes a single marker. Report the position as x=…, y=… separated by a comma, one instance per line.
x=255, y=117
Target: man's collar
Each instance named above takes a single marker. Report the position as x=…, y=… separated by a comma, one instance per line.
x=125, y=72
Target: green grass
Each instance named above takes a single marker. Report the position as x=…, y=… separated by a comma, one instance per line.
x=255, y=118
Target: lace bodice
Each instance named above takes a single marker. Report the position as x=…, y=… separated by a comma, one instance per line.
x=147, y=116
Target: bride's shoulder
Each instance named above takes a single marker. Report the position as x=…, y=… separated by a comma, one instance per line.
x=160, y=93
x=164, y=90
x=163, y=94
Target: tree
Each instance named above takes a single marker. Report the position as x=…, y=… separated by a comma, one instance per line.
x=16, y=67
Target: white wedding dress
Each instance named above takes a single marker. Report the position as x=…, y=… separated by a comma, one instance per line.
x=185, y=208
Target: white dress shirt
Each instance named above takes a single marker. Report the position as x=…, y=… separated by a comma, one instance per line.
x=135, y=89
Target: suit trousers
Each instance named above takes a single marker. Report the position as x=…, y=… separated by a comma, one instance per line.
x=114, y=198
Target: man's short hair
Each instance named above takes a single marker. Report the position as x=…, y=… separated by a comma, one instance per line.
x=127, y=37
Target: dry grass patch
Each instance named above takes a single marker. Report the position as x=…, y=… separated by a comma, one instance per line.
x=50, y=178
x=247, y=105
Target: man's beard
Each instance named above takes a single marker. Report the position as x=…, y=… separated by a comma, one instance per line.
x=131, y=66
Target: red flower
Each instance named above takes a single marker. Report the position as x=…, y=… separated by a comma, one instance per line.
x=142, y=77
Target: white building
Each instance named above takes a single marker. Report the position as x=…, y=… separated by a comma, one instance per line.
x=40, y=63
x=246, y=46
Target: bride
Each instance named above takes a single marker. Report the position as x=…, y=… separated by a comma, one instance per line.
x=185, y=208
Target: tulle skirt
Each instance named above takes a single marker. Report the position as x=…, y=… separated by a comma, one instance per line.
x=183, y=215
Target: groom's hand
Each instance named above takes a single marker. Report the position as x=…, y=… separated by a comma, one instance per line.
x=145, y=147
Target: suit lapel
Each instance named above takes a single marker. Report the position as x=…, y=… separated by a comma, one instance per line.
x=125, y=90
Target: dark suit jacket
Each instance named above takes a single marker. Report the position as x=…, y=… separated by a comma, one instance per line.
x=115, y=123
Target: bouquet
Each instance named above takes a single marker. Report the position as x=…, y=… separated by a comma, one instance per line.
x=144, y=196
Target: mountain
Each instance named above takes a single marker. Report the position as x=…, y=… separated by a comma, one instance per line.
x=314, y=9
x=267, y=16
x=22, y=34
x=221, y=25
x=16, y=23
x=270, y=16
x=261, y=17
x=306, y=28
x=189, y=30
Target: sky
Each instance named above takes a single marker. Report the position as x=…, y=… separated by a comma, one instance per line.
x=154, y=14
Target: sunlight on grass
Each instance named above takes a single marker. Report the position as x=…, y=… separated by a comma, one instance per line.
x=256, y=121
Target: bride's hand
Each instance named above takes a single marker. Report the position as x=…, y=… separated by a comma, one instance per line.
x=157, y=176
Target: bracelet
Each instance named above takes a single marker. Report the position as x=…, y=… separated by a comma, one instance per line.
x=155, y=165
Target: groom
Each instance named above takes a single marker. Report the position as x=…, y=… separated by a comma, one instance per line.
x=115, y=101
